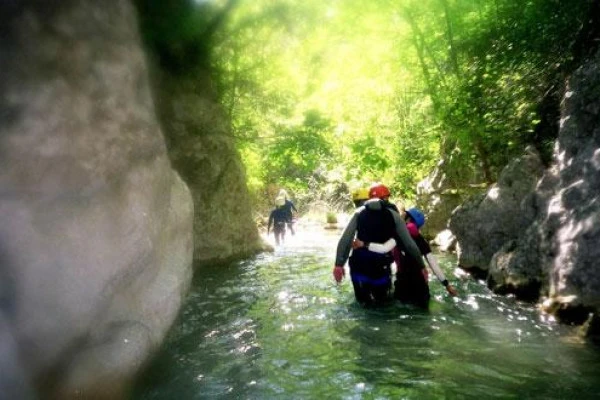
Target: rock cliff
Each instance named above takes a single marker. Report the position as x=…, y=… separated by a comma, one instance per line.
x=96, y=237
x=544, y=241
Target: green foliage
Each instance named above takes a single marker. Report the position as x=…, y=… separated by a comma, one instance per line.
x=488, y=66
x=331, y=218
x=293, y=156
x=326, y=93
x=368, y=154
x=281, y=63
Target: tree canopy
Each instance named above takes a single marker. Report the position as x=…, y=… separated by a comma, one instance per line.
x=356, y=91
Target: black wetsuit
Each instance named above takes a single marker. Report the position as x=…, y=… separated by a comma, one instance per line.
x=411, y=284
x=288, y=207
x=277, y=219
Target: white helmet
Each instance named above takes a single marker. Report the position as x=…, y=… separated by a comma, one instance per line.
x=283, y=193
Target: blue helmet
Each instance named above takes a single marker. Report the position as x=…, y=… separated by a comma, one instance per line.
x=416, y=216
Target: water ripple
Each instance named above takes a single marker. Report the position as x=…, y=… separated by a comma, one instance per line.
x=277, y=326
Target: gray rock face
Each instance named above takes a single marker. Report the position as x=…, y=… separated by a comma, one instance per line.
x=574, y=209
x=521, y=265
x=552, y=247
x=560, y=248
x=485, y=223
x=96, y=234
x=203, y=151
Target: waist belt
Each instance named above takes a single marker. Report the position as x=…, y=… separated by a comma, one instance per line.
x=360, y=278
x=372, y=265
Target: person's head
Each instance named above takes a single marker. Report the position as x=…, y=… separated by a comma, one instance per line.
x=415, y=215
x=359, y=196
x=379, y=191
x=284, y=194
x=280, y=201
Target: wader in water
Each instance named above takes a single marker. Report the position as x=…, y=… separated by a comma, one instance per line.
x=371, y=272
x=376, y=221
x=279, y=232
x=277, y=219
x=411, y=284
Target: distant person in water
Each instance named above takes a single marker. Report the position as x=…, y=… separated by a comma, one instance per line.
x=289, y=208
x=376, y=221
x=411, y=284
x=277, y=219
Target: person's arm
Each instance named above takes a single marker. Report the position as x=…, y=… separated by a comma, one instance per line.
x=271, y=216
x=433, y=264
x=425, y=249
x=409, y=244
x=381, y=248
x=343, y=249
x=345, y=242
x=293, y=206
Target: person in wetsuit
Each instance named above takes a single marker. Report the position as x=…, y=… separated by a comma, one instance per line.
x=288, y=206
x=411, y=285
x=278, y=219
x=376, y=221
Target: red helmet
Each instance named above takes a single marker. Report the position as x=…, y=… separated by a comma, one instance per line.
x=379, y=190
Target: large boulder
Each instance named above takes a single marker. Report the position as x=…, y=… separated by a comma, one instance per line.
x=520, y=266
x=561, y=245
x=96, y=234
x=486, y=222
x=572, y=217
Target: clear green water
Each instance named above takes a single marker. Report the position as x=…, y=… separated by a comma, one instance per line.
x=278, y=327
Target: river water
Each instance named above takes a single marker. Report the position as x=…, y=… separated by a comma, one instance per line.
x=278, y=327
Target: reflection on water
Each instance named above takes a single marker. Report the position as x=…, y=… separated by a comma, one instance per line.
x=277, y=326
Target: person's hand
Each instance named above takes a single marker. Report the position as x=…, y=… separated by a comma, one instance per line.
x=357, y=244
x=451, y=290
x=338, y=273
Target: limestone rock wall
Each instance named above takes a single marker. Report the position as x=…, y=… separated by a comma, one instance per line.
x=202, y=148
x=573, y=214
x=96, y=234
x=486, y=222
x=555, y=249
